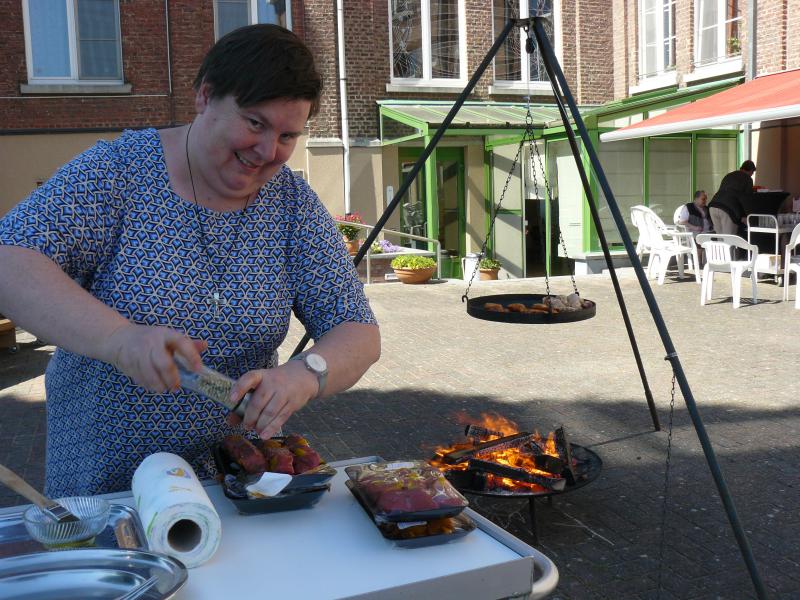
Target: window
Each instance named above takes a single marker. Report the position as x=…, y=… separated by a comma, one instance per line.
x=427, y=40
x=717, y=30
x=232, y=14
x=68, y=41
x=508, y=61
x=656, y=37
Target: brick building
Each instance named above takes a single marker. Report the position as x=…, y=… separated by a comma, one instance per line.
x=95, y=69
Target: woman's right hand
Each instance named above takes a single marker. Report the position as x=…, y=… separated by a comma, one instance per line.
x=144, y=353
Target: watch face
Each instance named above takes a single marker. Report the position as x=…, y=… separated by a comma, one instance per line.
x=316, y=362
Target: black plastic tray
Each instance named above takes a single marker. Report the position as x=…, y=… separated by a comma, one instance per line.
x=405, y=517
x=475, y=309
x=303, y=491
x=390, y=531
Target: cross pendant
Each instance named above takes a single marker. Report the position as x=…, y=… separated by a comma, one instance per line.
x=217, y=302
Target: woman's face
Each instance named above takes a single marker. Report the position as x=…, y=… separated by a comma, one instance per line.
x=239, y=149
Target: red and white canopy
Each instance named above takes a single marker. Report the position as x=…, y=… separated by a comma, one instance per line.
x=766, y=98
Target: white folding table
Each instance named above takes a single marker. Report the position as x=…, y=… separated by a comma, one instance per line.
x=333, y=550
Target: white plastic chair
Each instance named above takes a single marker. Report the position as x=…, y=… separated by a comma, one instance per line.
x=666, y=242
x=721, y=258
x=791, y=263
x=642, y=243
x=676, y=216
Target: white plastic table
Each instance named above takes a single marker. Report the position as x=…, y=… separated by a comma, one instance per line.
x=333, y=550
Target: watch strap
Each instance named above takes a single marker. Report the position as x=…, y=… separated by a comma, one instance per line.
x=322, y=377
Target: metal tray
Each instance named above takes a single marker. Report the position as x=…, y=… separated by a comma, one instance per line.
x=391, y=531
x=123, y=530
x=97, y=573
x=475, y=309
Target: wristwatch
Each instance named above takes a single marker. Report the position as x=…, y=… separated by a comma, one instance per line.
x=317, y=365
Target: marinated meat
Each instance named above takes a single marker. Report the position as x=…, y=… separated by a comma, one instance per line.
x=305, y=459
x=245, y=454
x=279, y=460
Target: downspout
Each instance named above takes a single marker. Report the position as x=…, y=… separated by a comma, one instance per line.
x=343, y=102
x=752, y=11
x=169, y=63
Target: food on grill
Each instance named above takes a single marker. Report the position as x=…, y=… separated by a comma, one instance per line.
x=494, y=307
x=280, y=460
x=291, y=455
x=245, y=454
x=549, y=305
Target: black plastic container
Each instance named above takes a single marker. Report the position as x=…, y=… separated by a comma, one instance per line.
x=394, y=532
x=303, y=491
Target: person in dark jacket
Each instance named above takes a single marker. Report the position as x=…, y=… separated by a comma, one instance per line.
x=695, y=216
x=727, y=205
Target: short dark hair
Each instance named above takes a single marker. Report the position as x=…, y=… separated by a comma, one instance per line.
x=258, y=63
x=699, y=193
x=748, y=165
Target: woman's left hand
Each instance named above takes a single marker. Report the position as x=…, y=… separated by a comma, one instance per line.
x=275, y=394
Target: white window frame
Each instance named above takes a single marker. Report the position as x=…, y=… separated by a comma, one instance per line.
x=72, y=40
x=426, y=81
x=524, y=84
x=252, y=14
x=661, y=68
x=721, y=53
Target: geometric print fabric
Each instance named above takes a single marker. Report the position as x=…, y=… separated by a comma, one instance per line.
x=111, y=221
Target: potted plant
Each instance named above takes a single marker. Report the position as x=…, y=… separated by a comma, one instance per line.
x=488, y=268
x=413, y=268
x=350, y=233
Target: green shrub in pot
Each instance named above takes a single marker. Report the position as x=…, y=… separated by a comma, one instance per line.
x=489, y=264
x=413, y=268
x=413, y=261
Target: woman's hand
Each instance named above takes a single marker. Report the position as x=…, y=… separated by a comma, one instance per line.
x=144, y=354
x=276, y=394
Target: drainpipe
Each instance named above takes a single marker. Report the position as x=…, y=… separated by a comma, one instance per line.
x=752, y=11
x=169, y=63
x=343, y=102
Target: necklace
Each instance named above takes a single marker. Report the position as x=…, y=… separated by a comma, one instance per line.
x=214, y=299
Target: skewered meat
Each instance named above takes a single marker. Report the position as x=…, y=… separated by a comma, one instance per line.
x=305, y=459
x=245, y=454
x=279, y=460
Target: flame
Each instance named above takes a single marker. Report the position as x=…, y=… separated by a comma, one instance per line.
x=512, y=457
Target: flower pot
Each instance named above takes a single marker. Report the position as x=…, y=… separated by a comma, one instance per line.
x=414, y=275
x=488, y=274
x=352, y=245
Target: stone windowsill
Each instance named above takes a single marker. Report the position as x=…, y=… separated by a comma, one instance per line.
x=115, y=89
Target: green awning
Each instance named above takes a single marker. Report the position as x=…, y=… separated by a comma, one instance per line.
x=472, y=115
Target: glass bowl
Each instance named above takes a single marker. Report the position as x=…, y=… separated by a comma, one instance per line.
x=92, y=516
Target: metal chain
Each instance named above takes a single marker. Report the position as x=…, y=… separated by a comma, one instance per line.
x=534, y=148
x=665, y=498
x=465, y=297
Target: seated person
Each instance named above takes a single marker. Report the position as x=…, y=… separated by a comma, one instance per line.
x=695, y=216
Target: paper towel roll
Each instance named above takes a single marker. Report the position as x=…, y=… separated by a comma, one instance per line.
x=177, y=515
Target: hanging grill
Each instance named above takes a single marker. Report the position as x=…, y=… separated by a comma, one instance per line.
x=529, y=308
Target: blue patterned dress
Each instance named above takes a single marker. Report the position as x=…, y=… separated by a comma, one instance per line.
x=111, y=221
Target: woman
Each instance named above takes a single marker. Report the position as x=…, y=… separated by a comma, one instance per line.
x=190, y=240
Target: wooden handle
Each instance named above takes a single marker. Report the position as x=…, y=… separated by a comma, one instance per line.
x=22, y=487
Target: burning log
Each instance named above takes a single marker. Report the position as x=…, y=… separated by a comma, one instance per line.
x=556, y=484
x=509, y=441
x=563, y=449
x=478, y=433
x=542, y=461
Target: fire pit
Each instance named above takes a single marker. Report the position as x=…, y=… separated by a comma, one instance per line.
x=502, y=463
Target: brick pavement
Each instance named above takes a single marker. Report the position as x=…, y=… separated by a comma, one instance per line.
x=604, y=538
